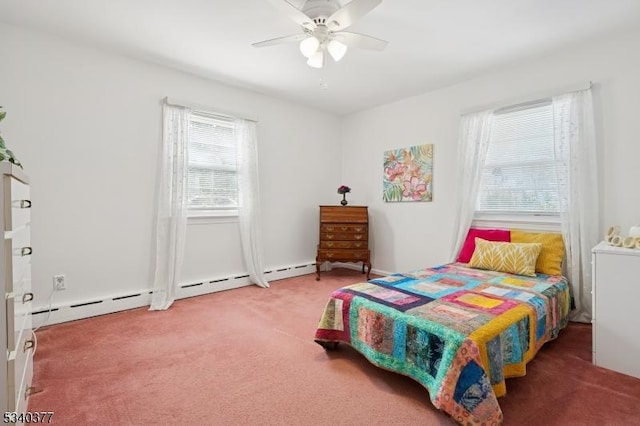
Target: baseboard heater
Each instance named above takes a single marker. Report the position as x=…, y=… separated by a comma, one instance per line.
x=58, y=313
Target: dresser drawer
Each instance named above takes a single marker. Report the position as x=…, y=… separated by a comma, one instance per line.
x=18, y=256
x=343, y=255
x=343, y=214
x=20, y=371
x=342, y=227
x=25, y=389
x=18, y=209
x=343, y=245
x=18, y=318
x=343, y=236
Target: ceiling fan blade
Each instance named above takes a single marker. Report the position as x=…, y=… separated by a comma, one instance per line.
x=348, y=14
x=280, y=40
x=295, y=14
x=360, y=41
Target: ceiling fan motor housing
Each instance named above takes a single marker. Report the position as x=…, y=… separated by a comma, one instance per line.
x=320, y=10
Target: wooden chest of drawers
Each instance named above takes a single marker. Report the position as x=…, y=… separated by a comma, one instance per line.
x=344, y=236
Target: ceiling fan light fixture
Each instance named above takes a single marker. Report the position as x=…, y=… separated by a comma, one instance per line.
x=336, y=49
x=323, y=23
x=317, y=60
x=309, y=46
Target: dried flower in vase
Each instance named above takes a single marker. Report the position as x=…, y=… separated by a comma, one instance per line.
x=343, y=189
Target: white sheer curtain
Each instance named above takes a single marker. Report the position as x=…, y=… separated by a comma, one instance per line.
x=249, y=200
x=172, y=205
x=574, y=138
x=475, y=130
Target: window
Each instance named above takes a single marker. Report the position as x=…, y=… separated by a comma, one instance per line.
x=519, y=176
x=212, y=182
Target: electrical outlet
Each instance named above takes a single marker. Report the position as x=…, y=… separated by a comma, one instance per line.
x=59, y=282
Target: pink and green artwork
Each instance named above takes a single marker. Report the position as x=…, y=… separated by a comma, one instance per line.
x=408, y=174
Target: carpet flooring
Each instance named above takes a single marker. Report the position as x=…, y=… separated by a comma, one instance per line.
x=247, y=357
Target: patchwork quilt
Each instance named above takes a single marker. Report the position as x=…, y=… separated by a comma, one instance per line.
x=458, y=331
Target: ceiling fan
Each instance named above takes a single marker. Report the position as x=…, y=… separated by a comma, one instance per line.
x=322, y=22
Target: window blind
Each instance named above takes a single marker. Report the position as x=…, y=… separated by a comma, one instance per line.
x=212, y=179
x=519, y=175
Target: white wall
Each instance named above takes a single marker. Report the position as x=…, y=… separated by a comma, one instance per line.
x=86, y=124
x=414, y=235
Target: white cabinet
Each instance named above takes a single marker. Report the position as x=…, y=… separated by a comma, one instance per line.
x=16, y=338
x=616, y=301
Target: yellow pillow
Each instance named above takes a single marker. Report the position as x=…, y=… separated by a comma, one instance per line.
x=550, y=259
x=515, y=258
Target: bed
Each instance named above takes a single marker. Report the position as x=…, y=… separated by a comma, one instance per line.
x=457, y=329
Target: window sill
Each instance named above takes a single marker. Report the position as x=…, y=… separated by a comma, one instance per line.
x=525, y=222
x=201, y=217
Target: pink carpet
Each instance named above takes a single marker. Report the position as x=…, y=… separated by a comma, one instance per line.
x=247, y=357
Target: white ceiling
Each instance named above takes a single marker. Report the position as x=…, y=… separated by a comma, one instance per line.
x=432, y=43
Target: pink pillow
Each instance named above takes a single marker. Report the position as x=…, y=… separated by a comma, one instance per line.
x=469, y=245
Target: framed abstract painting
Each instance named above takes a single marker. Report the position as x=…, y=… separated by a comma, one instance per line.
x=408, y=174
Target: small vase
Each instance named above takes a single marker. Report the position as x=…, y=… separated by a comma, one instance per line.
x=344, y=199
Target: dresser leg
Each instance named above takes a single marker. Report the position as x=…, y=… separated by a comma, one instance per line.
x=368, y=269
x=317, y=271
